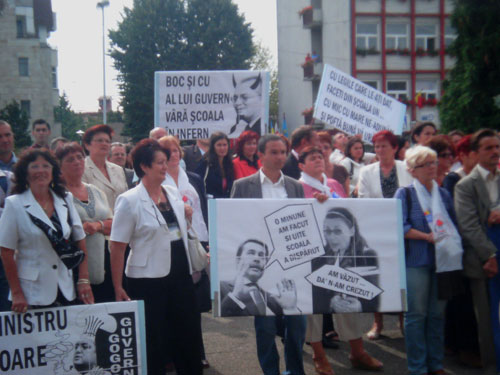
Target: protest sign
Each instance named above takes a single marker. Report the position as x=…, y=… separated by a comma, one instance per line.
x=195, y=104
x=352, y=106
x=305, y=257
x=99, y=339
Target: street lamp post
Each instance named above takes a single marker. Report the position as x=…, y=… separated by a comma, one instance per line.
x=102, y=4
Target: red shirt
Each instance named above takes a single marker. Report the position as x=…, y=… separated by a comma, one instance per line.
x=243, y=169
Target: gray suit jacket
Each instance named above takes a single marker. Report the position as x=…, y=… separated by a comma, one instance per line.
x=472, y=205
x=250, y=187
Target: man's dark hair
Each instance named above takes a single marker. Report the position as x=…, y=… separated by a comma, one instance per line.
x=40, y=121
x=479, y=135
x=260, y=243
x=302, y=132
x=265, y=139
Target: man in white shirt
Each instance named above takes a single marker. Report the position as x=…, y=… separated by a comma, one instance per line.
x=268, y=183
x=477, y=204
x=339, y=142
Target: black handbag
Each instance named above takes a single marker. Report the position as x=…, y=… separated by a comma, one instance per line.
x=66, y=249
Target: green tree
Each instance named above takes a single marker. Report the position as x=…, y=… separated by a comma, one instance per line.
x=158, y=35
x=19, y=122
x=70, y=121
x=468, y=102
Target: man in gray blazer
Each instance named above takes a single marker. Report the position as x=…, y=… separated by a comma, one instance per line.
x=267, y=183
x=475, y=196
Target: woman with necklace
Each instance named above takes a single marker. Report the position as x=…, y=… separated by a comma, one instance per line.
x=37, y=224
x=96, y=216
x=108, y=177
x=150, y=217
x=381, y=180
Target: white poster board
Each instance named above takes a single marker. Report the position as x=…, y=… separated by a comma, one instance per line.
x=352, y=106
x=279, y=256
x=194, y=104
x=99, y=339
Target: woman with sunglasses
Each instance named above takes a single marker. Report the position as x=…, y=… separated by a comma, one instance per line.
x=151, y=218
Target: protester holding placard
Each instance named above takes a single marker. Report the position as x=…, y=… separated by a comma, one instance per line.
x=93, y=209
x=41, y=226
x=381, y=180
x=246, y=162
x=433, y=255
x=151, y=218
x=216, y=168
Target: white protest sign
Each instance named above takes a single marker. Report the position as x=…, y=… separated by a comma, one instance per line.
x=295, y=235
x=343, y=255
x=50, y=341
x=345, y=281
x=352, y=106
x=195, y=104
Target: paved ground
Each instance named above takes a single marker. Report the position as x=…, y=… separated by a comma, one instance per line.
x=230, y=347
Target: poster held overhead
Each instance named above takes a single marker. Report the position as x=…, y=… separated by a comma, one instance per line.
x=347, y=104
x=194, y=104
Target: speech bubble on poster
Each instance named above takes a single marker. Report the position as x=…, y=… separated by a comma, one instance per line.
x=295, y=235
x=347, y=281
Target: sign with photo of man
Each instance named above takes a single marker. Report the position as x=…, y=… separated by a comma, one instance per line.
x=194, y=104
x=100, y=339
x=305, y=257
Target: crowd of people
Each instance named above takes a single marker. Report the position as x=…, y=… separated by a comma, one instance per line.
x=102, y=222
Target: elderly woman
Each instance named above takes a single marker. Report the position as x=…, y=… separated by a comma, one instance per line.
x=150, y=217
x=107, y=176
x=37, y=222
x=216, y=167
x=381, y=180
x=95, y=214
x=429, y=223
x=353, y=161
x=246, y=162
x=446, y=155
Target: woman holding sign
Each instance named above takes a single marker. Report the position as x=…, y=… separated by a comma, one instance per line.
x=37, y=224
x=314, y=182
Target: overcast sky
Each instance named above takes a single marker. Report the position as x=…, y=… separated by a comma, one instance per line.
x=78, y=39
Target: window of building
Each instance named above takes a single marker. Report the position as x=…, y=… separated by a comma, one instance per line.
x=425, y=37
x=367, y=36
x=450, y=34
x=23, y=63
x=373, y=84
x=21, y=26
x=54, y=78
x=396, y=36
x=398, y=90
x=427, y=88
x=26, y=107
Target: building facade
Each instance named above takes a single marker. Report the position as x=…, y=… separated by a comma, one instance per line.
x=28, y=65
x=396, y=46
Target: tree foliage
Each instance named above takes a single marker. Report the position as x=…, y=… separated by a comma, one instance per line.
x=19, y=122
x=70, y=121
x=468, y=102
x=158, y=35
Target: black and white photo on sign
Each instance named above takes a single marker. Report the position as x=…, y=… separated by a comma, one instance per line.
x=306, y=257
x=99, y=339
x=195, y=104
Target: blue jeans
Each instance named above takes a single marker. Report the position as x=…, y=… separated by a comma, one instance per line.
x=295, y=331
x=424, y=321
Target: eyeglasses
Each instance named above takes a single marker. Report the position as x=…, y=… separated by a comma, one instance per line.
x=445, y=155
x=427, y=165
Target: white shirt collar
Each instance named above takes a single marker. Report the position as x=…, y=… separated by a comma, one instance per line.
x=266, y=180
x=485, y=174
